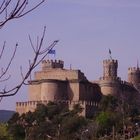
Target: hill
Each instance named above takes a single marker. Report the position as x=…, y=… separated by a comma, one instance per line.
x=5, y=115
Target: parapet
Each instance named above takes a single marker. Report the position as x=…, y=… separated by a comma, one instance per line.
x=133, y=70
x=49, y=64
x=109, y=61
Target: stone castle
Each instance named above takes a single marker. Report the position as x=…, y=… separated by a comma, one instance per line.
x=54, y=83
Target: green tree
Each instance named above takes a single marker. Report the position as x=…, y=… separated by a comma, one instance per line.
x=108, y=103
x=3, y=132
x=16, y=127
x=53, y=120
x=71, y=126
x=137, y=138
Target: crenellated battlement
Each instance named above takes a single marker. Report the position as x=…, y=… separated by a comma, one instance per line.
x=30, y=103
x=23, y=107
x=110, y=68
x=83, y=103
x=133, y=69
x=34, y=103
x=48, y=64
x=134, y=75
x=109, y=61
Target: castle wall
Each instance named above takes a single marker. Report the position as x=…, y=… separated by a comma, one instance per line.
x=34, y=92
x=59, y=74
x=20, y=108
x=54, y=90
x=73, y=91
x=88, y=111
x=83, y=91
x=89, y=107
x=48, y=91
x=110, y=89
x=24, y=107
x=62, y=91
x=89, y=91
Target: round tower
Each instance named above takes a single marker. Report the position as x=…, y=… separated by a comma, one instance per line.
x=134, y=75
x=110, y=67
x=49, y=90
x=110, y=82
x=52, y=90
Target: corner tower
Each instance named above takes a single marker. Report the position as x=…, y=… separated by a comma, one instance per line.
x=134, y=77
x=110, y=82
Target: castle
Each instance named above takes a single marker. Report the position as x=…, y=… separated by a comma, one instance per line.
x=54, y=83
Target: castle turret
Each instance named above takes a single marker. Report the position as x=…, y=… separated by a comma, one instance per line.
x=110, y=67
x=134, y=75
x=110, y=82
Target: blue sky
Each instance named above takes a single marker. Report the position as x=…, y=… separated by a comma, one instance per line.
x=86, y=30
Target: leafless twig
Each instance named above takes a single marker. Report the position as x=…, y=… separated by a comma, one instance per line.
x=13, y=9
x=39, y=55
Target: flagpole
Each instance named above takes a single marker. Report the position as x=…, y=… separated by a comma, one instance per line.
x=110, y=54
x=137, y=64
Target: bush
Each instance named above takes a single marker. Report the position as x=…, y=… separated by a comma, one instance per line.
x=137, y=138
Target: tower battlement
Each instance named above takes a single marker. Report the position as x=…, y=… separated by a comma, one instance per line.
x=110, y=68
x=48, y=64
x=133, y=69
x=107, y=61
x=134, y=75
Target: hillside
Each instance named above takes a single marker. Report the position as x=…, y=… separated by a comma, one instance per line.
x=5, y=115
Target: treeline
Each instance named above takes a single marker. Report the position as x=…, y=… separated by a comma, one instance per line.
x=115, y=119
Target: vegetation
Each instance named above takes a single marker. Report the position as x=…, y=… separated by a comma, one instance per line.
x=113, y=120
x=52, y=121
x=137, y=138
x=3, y=131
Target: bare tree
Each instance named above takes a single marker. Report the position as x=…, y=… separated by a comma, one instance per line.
x=13, y=9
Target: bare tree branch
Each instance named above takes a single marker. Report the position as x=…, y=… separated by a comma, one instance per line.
x=3, y=47
x=7, y=78
x=10, y=10
x=39, y=55
x=4, y=71
x=14, y=9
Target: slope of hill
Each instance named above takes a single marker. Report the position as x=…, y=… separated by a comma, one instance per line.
x=5, y=115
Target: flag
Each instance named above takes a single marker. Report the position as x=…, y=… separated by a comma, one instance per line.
x=51, y=51
x=109, y=51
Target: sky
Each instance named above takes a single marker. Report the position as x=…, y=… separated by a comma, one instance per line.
x=86, y=30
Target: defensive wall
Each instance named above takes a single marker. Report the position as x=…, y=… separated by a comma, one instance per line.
x=88, y=107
